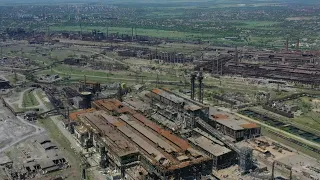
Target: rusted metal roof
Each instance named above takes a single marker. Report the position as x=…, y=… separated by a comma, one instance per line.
x=112, y=120
x=220, y=116
x=109, y=135
x=155, y=143
x=184, y=145
x=125, y=110
x=249, y=126
x=73, y=116
x=151, y=136
x=156, y=91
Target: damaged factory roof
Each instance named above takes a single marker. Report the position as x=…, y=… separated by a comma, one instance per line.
x=160, y=148
x=156, y=144
x=169, y=96
x=98, y=122
x=73, y=116
x=229, y=120
x=209, y=145
x=137, y=105
x=113, y=105
x=188, y=104
x=159, y=144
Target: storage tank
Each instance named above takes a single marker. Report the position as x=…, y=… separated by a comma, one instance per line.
x=86, y=96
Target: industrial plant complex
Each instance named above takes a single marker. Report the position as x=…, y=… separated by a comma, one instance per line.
x=95, y=91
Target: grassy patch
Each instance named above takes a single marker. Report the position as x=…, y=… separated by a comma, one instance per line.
x=255, y=24
x=310, y=119
x=17, y=109
x=265, y=132
x=29, y=100
x=42, y=96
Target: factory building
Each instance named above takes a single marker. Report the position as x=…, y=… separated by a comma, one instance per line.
x=163, y=154
x=179, y=103
x=100, y=134
x=138, y=105
x=236, y=128
x=222, y=156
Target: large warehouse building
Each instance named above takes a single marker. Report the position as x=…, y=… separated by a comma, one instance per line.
x=236, y=128
x=122, y=130
x=100, y=134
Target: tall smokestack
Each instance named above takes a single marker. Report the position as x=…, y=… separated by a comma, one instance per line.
x=135, y=31
x=193, y=78
x=107, y=32
x=298, y=44
x=236, y=57
x=132, y=34
x=200, y=79
x=287, y=44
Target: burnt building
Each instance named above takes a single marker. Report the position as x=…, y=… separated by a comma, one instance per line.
x=163, y=154
x=235, y=127
x=191, y=107
x=222, y=156
x=95, y=131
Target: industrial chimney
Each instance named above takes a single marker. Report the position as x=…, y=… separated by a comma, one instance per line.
x=200, y=79
x=193, y=78
x=236, y=56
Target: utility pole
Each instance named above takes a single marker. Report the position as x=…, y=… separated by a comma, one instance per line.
x=108, y=33
x=236, y=56
x=132, y=34
x=80, y=31
x=136, y=32
x=272, y=171
x=157, y=80
x=15, y=77
x=287, y=44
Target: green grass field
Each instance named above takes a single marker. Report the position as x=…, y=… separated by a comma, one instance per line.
x=255, y=24
x=266, y=133
x=309, y=117
x=29, y=100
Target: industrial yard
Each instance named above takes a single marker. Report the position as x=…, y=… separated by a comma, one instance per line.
x=169, y=125
x=100, y=104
